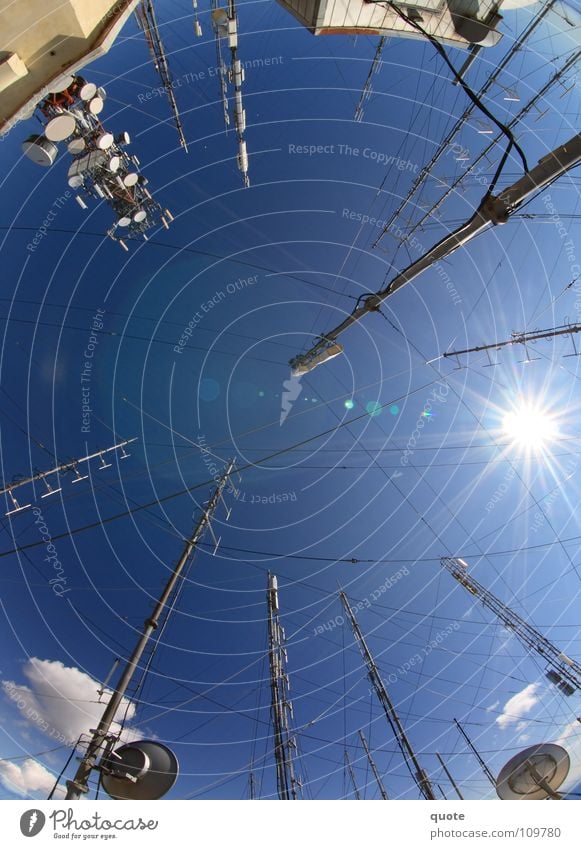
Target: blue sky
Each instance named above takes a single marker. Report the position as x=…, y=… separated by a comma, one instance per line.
x=264, y=270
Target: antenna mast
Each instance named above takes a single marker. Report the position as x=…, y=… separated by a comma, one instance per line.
x=417, y=773
x=477, y=754
x=374, y=770
x=78, y=787
x=285, y=745
x=450, y=779
x=146, y=19
x=564, y=672
x=225, y=25
x=349, y=766
x=368, y=85
x=493, y=210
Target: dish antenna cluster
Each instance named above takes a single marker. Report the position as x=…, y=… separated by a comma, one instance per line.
x=101, y=168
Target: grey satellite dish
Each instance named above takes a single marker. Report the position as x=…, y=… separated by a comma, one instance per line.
x=142, y=770
x=535, y=773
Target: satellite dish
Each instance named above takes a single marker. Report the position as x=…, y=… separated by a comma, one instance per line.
x=535, y=773
x=60, y=128
x=62, y=84
x=95, y=105
x=140, y=771
x=87, y=91
x=104, y=141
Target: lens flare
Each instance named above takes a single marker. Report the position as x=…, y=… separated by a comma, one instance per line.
x=529, y=426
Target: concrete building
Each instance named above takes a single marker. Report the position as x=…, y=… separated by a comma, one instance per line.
x=456, y=22
x=42, y=41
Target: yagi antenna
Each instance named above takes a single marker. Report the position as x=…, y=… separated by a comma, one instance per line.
x=49, y=489
x=523, y=338
x=57, y=471
x=16, y=507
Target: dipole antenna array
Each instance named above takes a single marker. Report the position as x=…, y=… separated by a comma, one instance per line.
x=444, y=146
x=146, y=19
x=419, y=776
x=562, y=671
x=102, y=741
x=285, y=747
x=373, y=766
x=523, y=338
x=53, y=486
x=463, y=155
x=477, y=754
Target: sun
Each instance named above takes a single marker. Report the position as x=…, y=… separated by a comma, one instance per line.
x=529, y=426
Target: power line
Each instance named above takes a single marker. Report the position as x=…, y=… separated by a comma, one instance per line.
x=189, y=489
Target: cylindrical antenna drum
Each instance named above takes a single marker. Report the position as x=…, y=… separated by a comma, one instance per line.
x=40, y=150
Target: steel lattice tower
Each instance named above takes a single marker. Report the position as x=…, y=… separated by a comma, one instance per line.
x=411, y=761
x=561, y=670
x=285, y=746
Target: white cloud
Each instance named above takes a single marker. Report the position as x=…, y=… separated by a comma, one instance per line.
x=61, y=701
x=28, y=778
x=518, y=706
x=492, y=707
x=570, y=739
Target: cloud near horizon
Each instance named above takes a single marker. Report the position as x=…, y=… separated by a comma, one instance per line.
x=62, y=701
x=28, y=778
